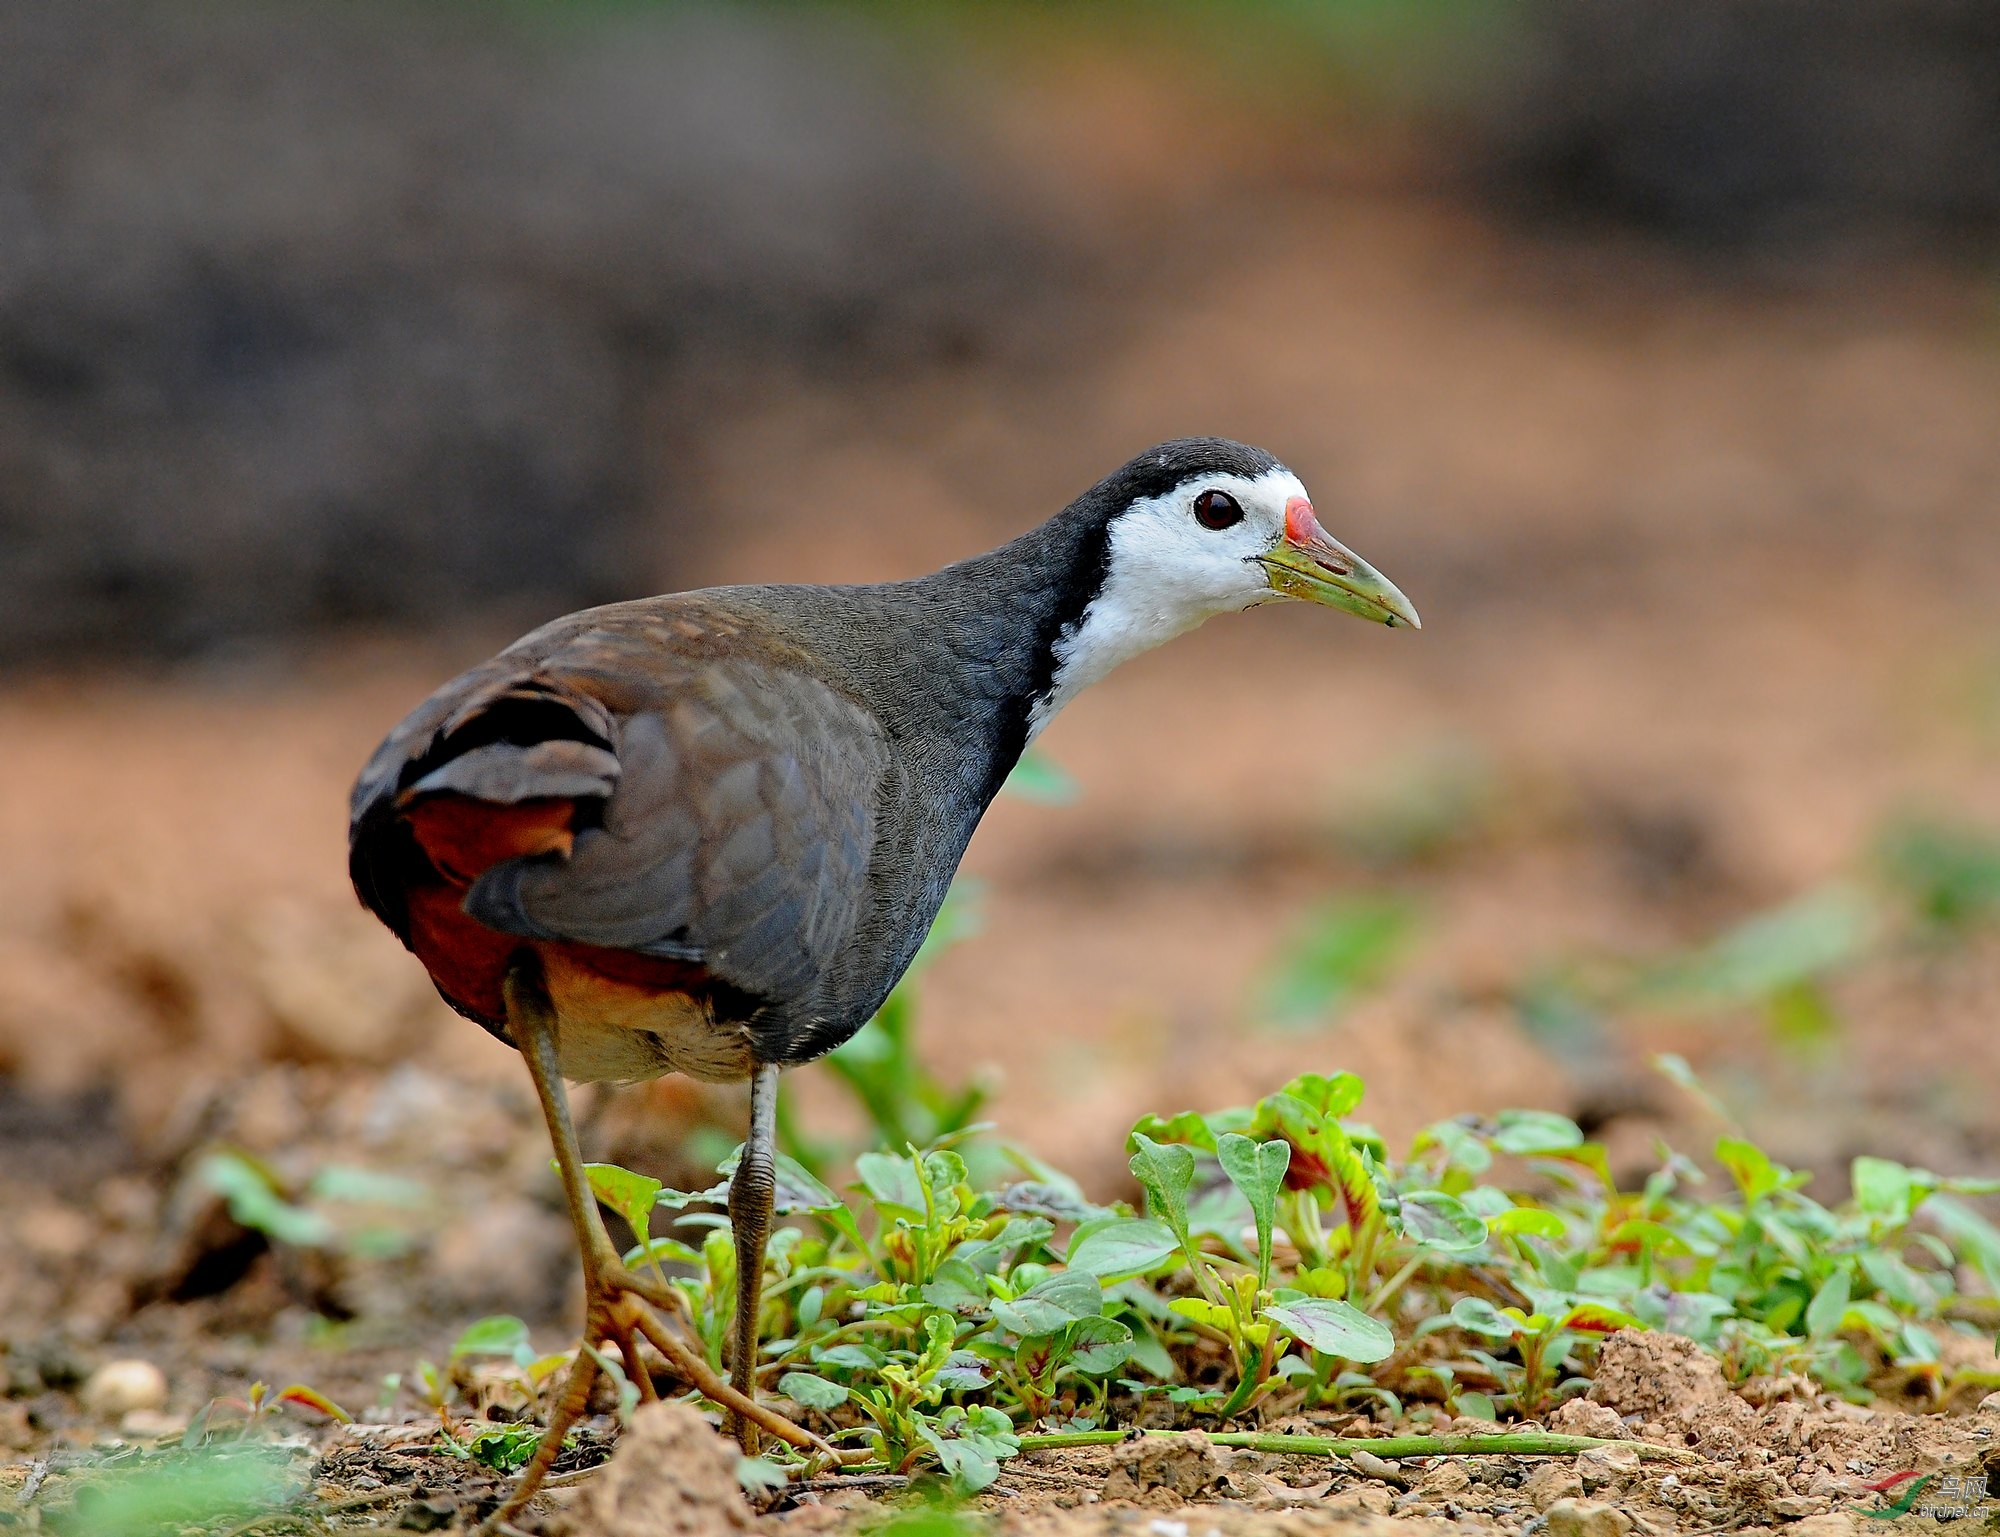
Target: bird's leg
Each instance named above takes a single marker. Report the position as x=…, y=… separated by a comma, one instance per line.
x=615, y=1300
x=531, y=1020
x=750, y=1199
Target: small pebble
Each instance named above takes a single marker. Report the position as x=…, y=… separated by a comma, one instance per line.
x=116, y=1388
x=1379, y=1467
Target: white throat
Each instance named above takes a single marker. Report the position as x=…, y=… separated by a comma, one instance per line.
x=1165, y=575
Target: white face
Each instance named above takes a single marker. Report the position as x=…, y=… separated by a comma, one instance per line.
x=1169, y=571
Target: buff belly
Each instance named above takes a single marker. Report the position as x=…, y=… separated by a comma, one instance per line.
x=609, y=1031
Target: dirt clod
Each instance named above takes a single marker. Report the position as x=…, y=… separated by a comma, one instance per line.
x=1576, y=1518
x=1607, y=1467
x=1550, y=1483
x=1156, y=1468
x=1581, y=1417
x=672, y=1476
x=1832, y=1523
x=1654, y=1374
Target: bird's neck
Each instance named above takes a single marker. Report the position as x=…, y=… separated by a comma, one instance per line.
x=1010, y=618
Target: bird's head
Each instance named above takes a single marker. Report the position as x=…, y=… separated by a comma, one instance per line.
x=1205, y=526
x=1188, y=530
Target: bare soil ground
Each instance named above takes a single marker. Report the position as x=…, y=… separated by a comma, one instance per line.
x=1706, y=570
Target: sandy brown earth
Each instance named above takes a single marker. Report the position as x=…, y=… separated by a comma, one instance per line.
x=1706, y=571
x=1676, y=1453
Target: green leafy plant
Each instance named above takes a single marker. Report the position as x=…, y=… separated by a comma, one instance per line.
x=354, y=1210
x=1284, y=1260
x=505, y=1447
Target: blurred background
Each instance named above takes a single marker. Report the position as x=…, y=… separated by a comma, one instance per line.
x=1652, y=348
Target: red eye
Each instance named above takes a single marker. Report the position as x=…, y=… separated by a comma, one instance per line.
x=1217, y=509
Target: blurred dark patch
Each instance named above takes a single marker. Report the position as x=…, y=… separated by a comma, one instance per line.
x=1741, y=123
x=71, y=1140
x=314, y=313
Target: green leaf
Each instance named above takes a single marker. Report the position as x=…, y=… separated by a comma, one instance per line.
x=1019, y=1233
x=503, y=1448
x=1976, y=1240
x=1051, y=1303
x=796, y=1189
x=1214, y=1314
x=962, y=1372
x=1530, y=1221
x=957, y=1287
x=666, y=1250
x=1336, y=1329
x=1883, y=1188
x=799, y=1191
x=252, y=1189
x=1476, y=1315
x=632, y=1196
x=1153, y=1358
x=1040, y=779
x=1332, y=1095
x=759, y=1475
x=893, y=1180
x=1324, y=1157
x=1047, y=1198
x=811, y=1391
x=1166, y=1172
x=1187, y=1127
x=1095, y=1346
x=1829, y=1306
x=1440, y=1221
x=1894, y=1279
x=501, y=1335
x=1756, y=1176
x=345, y=1182
x=714, y=1195
x=1462, y=1148
x=1535, y=1131
x=1258, y=1170
x=943, y=1172
x=985, y=1438
x=854, y=1358
x=1123, y=1247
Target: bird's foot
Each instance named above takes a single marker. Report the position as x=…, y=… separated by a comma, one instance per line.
x=622, y=1309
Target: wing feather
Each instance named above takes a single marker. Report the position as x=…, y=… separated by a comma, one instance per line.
x=738, y=831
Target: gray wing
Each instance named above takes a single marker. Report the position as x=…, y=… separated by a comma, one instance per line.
x=739, y=831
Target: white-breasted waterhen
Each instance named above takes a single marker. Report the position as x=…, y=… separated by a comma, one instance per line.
x=705, y=833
